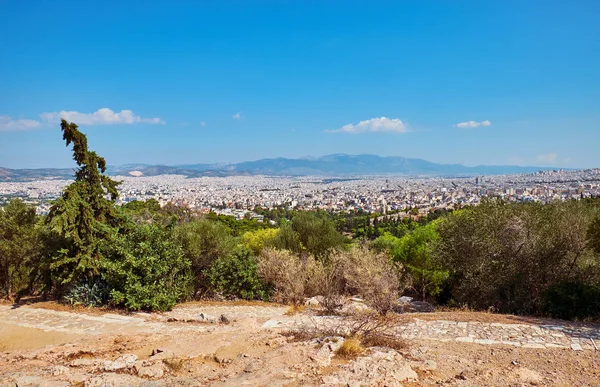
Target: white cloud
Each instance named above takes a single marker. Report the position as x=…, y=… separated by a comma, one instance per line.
x=8, y=124
x=548, y=158
x=473, y=124
x=383, y=124
x=103, y=116
x=237, y=116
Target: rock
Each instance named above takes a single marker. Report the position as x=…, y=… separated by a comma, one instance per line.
x=160, y=354
x=405, y=373
x=355, y=307
x=222, y=360
x=271, y=324
x=529, y=376
x=466, y=374
x=112, y=379
x=83, y=362
x=405, y=300
x=223, y=319
x=276, y=342
x=313, y=301
x=155, y=371
x=325, y=354
x=421, y=307
x=58, y=370
x=576, y=347
x=77, y=379
x=25, y=380
x=207, y=318
x=428, y=365
x=253, y=366
x=122, y=362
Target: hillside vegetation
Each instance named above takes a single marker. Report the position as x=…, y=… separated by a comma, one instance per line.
x=536, y=259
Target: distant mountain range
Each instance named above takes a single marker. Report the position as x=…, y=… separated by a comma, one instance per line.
x=331, y=165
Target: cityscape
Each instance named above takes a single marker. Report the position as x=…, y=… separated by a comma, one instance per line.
x=239, y=195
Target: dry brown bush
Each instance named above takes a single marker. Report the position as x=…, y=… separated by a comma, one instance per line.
x=290, y=274
x=372, y=275
x=372, y=329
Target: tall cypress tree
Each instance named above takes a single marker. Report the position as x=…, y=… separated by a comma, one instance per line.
x=85, y=214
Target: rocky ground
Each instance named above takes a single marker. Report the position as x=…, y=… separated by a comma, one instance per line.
x=229, y=344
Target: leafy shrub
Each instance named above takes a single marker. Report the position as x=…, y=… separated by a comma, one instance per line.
x=146, y=270
x=572, y=300
x=236, y=275
x=88, y=294
x=203, y=242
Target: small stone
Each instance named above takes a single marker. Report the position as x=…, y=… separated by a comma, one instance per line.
x=429, y=365
x=207, y=318
x=155, y=371
x=464, y=339
x=253, y=366
x=58, y=370
x=83, y=362
x=576, y=347
x=405, y=373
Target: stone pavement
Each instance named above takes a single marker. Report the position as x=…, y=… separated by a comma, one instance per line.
x=517, y=335
x=203, y=318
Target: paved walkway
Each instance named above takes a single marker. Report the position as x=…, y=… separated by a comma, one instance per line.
x=267, y=317
x=517, y=335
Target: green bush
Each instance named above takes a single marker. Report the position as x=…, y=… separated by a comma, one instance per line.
x=146, y=270
x=88, y=294
x=572, y=300
x=203, y=242
x=235, y=275
x=20, y=246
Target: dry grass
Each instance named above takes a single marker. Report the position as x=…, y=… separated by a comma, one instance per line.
x=386, y=341
x=295, y=309
x=175, y=365
x=350, y=348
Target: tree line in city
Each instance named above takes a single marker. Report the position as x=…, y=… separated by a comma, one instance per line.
x=534, y=259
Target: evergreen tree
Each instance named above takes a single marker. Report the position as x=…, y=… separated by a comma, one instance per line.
x=84, y=215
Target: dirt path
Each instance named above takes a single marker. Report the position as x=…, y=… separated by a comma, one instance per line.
x=230, y=345
x=537, y=336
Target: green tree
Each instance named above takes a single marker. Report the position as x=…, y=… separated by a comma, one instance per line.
x=259, y=239
x=416, y=253
x=84, y=215
x=19, y=246
x=317, y=233
x=507, y=256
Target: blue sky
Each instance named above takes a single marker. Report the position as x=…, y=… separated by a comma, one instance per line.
x=471, y=82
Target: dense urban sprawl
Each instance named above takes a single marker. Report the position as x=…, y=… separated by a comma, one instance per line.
x=238, y=195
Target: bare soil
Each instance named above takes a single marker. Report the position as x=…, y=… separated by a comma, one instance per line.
x=251, y=350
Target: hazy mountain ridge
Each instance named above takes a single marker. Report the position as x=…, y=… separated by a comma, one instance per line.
x=330, y=165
